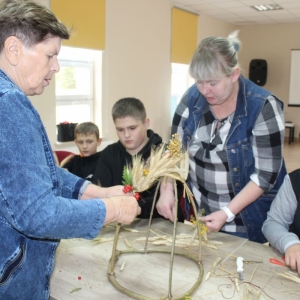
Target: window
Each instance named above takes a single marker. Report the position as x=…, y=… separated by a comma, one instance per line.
x=181, y=81
x=75, y=85
x=74, y=80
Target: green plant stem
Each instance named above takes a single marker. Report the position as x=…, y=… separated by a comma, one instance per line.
x=173, y=241
x=198, y=228
x=151, y=214
x=137, y=296
x=113, y=254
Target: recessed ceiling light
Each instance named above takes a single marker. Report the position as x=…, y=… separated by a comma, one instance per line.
x=265, y=7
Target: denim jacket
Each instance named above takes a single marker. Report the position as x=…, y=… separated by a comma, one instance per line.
x=38, y=201
x=239, y=149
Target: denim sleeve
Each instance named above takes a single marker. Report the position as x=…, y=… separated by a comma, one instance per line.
x=36, y=198
x=71, y=185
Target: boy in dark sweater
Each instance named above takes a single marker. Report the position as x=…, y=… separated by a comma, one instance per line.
x=87, y=140
x=135, y=138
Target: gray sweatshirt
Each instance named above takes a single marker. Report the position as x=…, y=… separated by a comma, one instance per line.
x=280, y=217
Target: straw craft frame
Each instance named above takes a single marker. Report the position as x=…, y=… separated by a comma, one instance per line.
x=165, y=161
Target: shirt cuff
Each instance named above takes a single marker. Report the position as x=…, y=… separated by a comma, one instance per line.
x=254, y=178
x=83, y=188
x=290, y=244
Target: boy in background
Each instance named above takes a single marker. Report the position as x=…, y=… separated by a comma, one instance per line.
x=135, y=138
x=87, y=139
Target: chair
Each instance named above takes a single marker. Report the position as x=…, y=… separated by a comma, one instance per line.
x=63, y=156
x=291, y=127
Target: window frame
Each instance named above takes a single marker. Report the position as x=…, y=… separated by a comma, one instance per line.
x=77, y=97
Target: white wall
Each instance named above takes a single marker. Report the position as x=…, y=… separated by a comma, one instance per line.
x=45, y=103
x=137, y=60
x=136, y=63
x=209, y=26
x=273, y=43
x=45, y=2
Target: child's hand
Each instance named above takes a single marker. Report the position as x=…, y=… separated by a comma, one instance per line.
x=292, y=258
x=166, y=205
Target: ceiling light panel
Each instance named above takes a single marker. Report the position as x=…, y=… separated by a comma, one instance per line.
x=266, y=7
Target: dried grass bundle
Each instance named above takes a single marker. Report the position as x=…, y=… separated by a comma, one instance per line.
x=289, y=275
x=167, y=160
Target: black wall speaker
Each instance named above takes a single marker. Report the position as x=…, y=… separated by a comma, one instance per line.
x=258, y=71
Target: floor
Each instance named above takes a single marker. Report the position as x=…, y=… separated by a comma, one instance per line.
x=291, y=154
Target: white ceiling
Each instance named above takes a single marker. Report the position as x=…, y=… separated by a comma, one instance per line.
x=239, y=12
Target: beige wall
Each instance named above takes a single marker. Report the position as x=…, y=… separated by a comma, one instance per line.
x=270, y=42
x=137, y=61
x=273, y=43
x=45, y=103
x=208, y=26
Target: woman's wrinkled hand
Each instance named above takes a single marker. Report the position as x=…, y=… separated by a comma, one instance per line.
x=116, y=190
x=93, y=191
x=122, y=209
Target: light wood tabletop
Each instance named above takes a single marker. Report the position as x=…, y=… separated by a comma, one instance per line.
x=81, y=267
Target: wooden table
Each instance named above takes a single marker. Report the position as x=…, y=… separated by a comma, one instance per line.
x=83, y=264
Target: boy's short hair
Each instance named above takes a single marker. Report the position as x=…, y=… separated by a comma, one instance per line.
x=87, y=128
x=129, y=107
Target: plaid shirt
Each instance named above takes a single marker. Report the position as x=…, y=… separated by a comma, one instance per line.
x=210, y=179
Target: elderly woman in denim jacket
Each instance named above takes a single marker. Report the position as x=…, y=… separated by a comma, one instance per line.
x=234, y=132
x=39, y=202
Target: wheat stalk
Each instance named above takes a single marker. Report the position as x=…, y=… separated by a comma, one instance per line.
x=166, y=160
x=290, y=276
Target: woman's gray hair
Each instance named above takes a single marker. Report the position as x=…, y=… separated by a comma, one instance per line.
x=29, y=21
x=215, y=57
